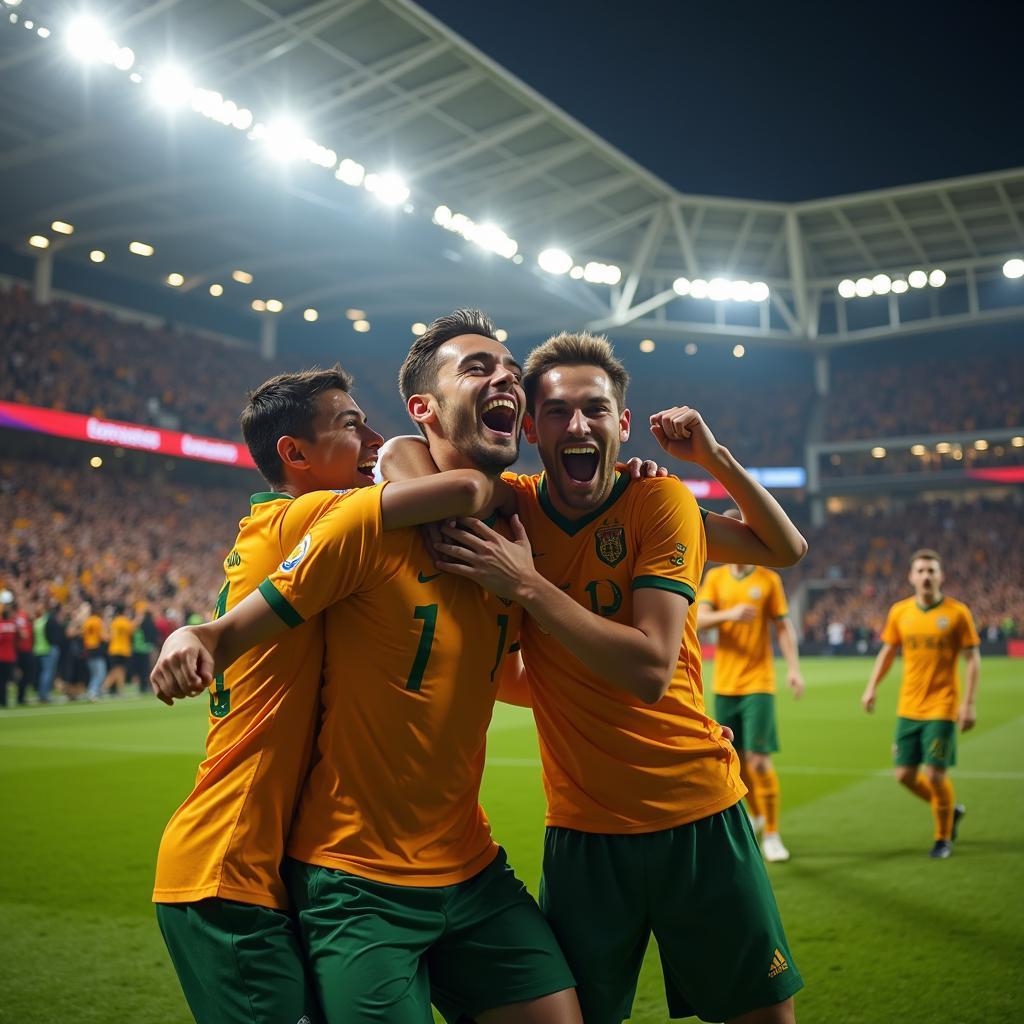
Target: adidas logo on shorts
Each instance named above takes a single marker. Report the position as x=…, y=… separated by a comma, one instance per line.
x=778, y=965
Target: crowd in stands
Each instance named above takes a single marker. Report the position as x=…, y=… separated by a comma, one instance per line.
x=865, y=559
x=957, y=459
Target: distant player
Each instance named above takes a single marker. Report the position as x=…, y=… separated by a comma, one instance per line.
x=933, y=630
x=740, y=601
x=119, y=650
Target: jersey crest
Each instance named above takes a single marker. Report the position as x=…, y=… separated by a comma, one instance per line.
x=610, y=542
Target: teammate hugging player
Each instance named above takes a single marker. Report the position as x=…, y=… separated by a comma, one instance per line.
x=932, y=629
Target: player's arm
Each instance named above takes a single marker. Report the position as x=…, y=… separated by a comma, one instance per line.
x=785, y=633
x=883, y=662
x=765, y=535
x=513, y=684
x=708, y=616
x=457, y=492
x=638, y=658
x=968, y=715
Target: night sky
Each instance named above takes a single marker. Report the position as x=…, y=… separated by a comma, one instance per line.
x=782, y=101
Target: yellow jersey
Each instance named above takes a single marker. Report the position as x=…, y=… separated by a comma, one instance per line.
x=411, y=671
x=611, y=763
x=932, y=639
x=121, y=629
x=92, y=634
x=743, y=655
x=227, y=839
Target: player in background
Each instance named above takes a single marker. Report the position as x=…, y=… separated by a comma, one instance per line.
x=94, y=636
x=740, y=601
x=119, y=650
x=221, y=904
x=933, y=630
x=643, y=830
x=400, y=890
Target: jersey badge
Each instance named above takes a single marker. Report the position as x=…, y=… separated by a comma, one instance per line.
x=610, y=542
x=942, y=622
x=679, y=558
x=755, y=593
x=297, y=555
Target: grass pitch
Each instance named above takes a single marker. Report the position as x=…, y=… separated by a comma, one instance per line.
x=880, y=933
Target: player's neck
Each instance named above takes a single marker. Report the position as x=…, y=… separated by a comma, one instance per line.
x=446, y=456
x=929, y=600
x=739, y=571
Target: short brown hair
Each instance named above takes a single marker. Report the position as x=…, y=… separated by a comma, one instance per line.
x=418, y=374
x=285, y=404
x=581, y=349
x=932, y=556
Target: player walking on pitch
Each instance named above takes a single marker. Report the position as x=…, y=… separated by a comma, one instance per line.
x=741, y=600
x=933, y=630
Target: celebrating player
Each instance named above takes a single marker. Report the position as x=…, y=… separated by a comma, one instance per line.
x=398, y=886
x=741, y=600
x=933, y=630
x=643, y=830
x=221, y=903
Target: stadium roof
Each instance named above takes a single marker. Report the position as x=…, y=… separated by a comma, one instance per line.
x=384, y=84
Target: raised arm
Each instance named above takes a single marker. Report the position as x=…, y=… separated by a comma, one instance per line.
x=766, y=535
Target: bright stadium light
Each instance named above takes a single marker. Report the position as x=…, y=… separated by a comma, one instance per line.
x=691, y=348
x=97, y=255
x=681, y=286
x=140, y=248
x=576, y=273
x=847, y=289
x=555, y=261
x=170, y=86
x=389, y=188
x=351, y=172
x=718, y=289
x=943, y=448
x=501, y=335
x=981, y=445
x=96, y=461
x=310, y=315
x=355, y=314
x=899, y=286
x=362, y=326
x=917, y=279
x=62, y=227
x=39, y=242
x=419, y=328
x=43, y=32
x=739, y=291
x=124, y=58
x=87, y=38
x=1017, y=442
x=1014, y=268
x=442, y=215
x=216, y=290
x=937, y=278
x=241, y=276
x=918, y=449
x=647, y=345
x=283, y=138
x=274, y=305
x=259, y=305
x=739, y=351
x=881, y=284
x=699, y=288
x=759, y=292
x=601, y=273
x=878, y=453
x=864, y=287
x=175, y=280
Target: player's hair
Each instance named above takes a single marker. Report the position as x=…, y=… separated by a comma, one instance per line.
x=581, y=349
x=418, y=374
x=928, y=553
x=285, y=404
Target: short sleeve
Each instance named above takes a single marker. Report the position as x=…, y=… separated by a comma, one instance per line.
x=672, y=549
x=778, y=607
x=968, y=633
x=891, y=630
x=334, y=559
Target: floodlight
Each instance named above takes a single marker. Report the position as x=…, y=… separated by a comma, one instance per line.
x=242, y=119
x=681, y=286
x=518, y=258
x=355, y=314
x=881, y=284
x=501, y=335
x=175, y=280
x=389, y=188
x=739, y=291
x=647, y=345
x=718, y=289
x=310, y=315
x=1017, y=442
x=943, y=448
x=43, y=32
x=555, y=261
x=140, y=248
x=362, y=326
x=759, y=292
x=216, y=290
x=170, y=86
x=284, y=138
x=576, y=273
x=442, y=215
x=699, y=288
x=135, y=77
x=981, y=445
x=878, y=453
x=847, y=288
x=937, y=278
x=899, y=286
x=124, y=58
x=274, y=305
x=97, y=255
x=918, y=449
x=352, y=173
x=39, y=242
x=1014, y=268
x=86, y=38
x=241, y=276
x=62, y=227
x=739, y=351
x=917, y=279
x=259, y=305
x=864, y=287
x=96, y=461
x=691, y=348
x=419, y=328
x=13, y=3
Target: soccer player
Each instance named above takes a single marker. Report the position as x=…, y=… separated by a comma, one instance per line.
x=399, y=887
x=221, y=903
x=933, y=630
x=94, y=634
x=643, y=829
x=119, y=650
x=741, y=601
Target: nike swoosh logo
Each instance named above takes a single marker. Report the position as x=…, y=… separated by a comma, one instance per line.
x=427, y=579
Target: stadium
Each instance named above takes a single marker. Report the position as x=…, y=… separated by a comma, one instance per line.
x=199, y=196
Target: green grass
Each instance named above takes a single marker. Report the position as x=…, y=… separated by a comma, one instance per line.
x=880, y=933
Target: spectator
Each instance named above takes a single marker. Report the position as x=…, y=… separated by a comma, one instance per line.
x=8, y=651
x=27, y=668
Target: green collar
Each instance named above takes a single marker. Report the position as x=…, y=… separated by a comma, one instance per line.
x=942, y=597
x=573, y=526
x=743, y=576
x=262, y=496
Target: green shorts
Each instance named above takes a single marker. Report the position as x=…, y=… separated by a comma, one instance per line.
x=238, y=963
x=752, y=719
x=382, y=953
x=929, y=741
x=701, y=889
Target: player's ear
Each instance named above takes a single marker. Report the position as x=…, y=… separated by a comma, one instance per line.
x=289, y=451
x=422, y=409
x=530, y=429
x=624, y=426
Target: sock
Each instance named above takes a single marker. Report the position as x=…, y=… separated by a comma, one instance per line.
x=943, y=804
x=768, y=796
x=753, y=801
x=921, y=787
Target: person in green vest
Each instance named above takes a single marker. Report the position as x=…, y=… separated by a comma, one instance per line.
x=47, y=656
